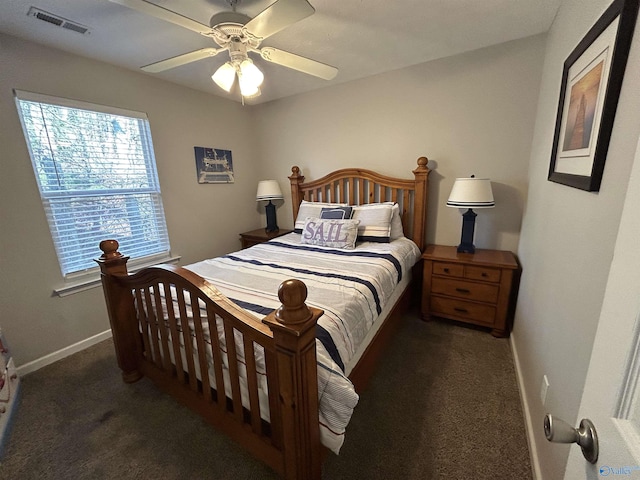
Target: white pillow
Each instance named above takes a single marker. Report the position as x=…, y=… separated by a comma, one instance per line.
x=396, y=223
x=375, y=222
x=330, y=233
x=311, y=209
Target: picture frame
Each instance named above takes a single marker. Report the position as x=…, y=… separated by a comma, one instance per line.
x=214, y=165
x=591, y=82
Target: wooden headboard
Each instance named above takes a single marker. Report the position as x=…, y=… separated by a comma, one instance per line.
x=357, y=186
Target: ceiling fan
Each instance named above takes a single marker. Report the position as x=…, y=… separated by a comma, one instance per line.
x=239, y=34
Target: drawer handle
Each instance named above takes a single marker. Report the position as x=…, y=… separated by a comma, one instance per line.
x=484, y=274
x=462, y=290
x=461, y=310
x=446, y=270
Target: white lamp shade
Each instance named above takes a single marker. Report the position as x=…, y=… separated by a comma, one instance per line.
x=247, y=89
x=268, y=190
x=251, y=73
x=250, y=79
x=225, y=76
x=471, y=193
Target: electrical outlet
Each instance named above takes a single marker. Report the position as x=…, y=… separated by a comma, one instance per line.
x=544, y=389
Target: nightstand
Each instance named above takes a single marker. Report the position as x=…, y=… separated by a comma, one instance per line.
x=254, y=237
x=478, y=288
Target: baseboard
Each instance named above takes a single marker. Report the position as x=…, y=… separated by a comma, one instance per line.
x=533, y=451
x=60, y=354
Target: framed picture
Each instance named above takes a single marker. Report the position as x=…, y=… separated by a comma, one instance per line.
x=591, y=82
x=214, y=165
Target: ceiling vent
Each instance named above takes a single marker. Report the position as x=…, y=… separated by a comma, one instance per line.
x=58, y=21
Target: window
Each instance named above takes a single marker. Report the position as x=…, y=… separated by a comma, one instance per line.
x=97, y=177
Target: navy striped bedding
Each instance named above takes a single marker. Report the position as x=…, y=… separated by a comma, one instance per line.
x=351, y=286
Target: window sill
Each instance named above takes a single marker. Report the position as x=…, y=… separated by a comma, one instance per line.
x=93, y=280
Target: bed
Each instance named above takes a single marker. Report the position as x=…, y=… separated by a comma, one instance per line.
x=272, y=344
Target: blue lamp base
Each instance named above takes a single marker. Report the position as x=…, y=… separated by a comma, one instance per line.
x=468, y=227
x=272, y=224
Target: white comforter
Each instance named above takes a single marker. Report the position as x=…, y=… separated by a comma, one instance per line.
x=351, y=286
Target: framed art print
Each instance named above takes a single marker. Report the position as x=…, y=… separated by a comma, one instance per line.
x=214, y=165
x=591, y=82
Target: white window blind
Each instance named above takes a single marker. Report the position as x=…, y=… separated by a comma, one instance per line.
x=97, y=176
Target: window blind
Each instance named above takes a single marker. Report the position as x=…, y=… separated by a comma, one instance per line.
x=97, y=176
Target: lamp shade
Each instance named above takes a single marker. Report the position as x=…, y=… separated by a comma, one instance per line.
x=251, y=73
x=471, y=193
x=250, y=78
x=268, y=190
x=225, y=76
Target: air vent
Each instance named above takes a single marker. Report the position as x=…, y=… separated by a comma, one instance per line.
x=58, y=21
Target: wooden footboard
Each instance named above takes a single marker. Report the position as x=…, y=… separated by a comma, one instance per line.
x=214, y=358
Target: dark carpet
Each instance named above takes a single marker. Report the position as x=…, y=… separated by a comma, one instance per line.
x=443, y=404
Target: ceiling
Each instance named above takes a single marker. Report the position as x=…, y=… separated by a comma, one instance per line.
x=359, y=37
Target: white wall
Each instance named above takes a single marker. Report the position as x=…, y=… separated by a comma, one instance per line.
x=200, y=221
x=469, y=114
x=567, y=242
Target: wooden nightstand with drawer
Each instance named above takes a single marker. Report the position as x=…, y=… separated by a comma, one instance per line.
x=476, y=288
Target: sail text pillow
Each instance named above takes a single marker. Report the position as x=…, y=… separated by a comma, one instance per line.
x=330, y=233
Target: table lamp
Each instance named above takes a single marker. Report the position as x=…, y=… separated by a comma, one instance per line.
x=470, y=193
x=269, y=190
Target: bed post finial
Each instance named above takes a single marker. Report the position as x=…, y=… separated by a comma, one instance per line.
x=120, y=309
x=296, y=180
x=110, y=249
x=292, y=293
x=294, y=334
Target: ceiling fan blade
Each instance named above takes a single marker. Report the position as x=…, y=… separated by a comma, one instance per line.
x=296, y=62
x=182, y=59
x=164, y=14
x=277, y=16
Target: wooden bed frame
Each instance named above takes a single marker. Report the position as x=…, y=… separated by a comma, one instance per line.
x=290, y=443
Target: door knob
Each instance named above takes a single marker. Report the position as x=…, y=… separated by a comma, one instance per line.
x=559, y=431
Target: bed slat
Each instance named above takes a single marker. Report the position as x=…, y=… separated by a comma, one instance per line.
x=186, y=339
x=162, y=328
x=252, y=384
x=175, y=336
x=274, y=401
x=153, y=328
x=200, y=344
x=217, y=358
x=234, y=376
x=144, y=325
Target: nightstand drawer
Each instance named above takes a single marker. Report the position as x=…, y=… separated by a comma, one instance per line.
x=448, y=269
x=468, y=290
x=482, y=273
x=475, y=312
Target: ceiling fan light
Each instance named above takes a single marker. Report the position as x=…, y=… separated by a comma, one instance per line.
x=247, y=88
x=225, y=76
x=251, y=73
x=257, y=94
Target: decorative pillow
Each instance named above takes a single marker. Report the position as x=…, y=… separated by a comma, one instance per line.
x=375, y=222
x=330, y=233
x=336, y=213
x=311, y=209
